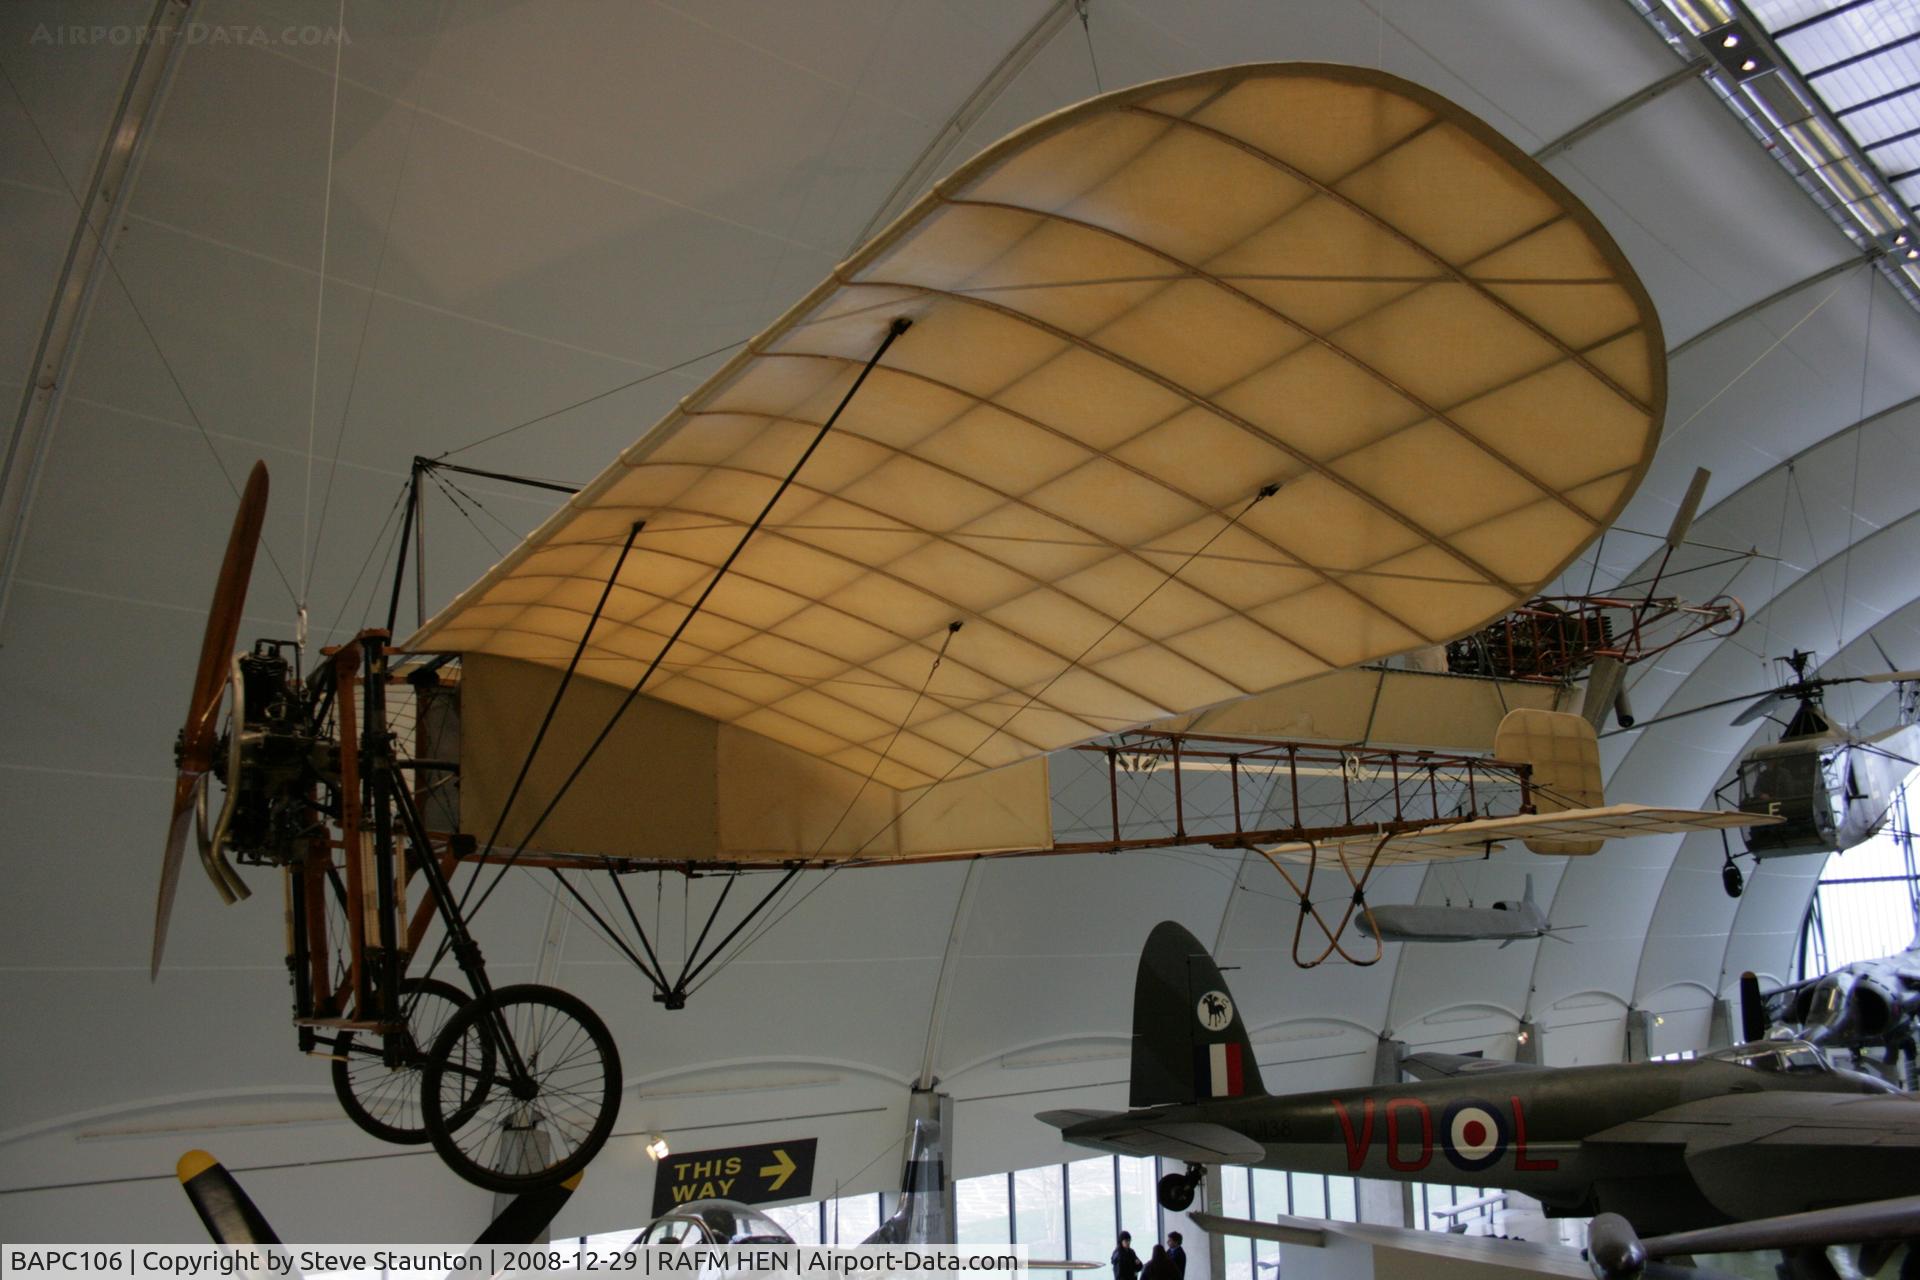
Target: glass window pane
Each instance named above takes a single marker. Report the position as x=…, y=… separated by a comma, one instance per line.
x=852, y=1219
x=1269, y=1194
x=1234, y=1191
x=980, y=1210
x=1309, y=1194
x=1343, y=1199
x=1266, y=1260
x=1039, y=1216
x=1090, y=1202
x=1139, y=1211
x=801, y=1221
x=1239, y=1258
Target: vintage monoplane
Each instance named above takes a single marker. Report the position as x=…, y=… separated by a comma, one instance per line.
x=1167, y=400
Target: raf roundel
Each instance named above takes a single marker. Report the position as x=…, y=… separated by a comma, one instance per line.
x=1474, y=1134
x=1215, y=1011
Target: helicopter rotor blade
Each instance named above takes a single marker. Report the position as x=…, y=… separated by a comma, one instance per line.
x=209, y=684
x=1761, y=706
x=1690, y=711
x=1689, y=507
x=1886, y=677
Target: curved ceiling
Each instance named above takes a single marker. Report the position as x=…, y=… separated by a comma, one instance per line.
x=564, y=216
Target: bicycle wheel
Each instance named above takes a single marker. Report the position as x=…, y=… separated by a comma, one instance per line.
x=383, y=1100
x=514, y=1136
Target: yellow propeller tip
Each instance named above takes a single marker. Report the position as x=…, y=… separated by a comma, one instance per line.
x=193, y=1164
x=574, y=1182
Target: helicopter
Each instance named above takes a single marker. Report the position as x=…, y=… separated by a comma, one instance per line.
x=1832, y=785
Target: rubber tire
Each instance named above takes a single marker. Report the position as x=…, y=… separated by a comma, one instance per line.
x=495, y=1096
x=345, y=1060
x=1175, y=1192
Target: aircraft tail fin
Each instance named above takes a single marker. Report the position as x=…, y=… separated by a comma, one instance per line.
x=1189, y=1043
x=921, y=1216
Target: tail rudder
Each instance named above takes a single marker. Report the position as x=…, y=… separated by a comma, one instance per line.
x=1189, y=1042
x=920, y=1217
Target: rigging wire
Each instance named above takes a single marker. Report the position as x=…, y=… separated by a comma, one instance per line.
x=379, y=537
x=319, y=317
x=366, y=323
x=577, y=404
x=1086, y=29
x=140, y=317
x=1853, y=498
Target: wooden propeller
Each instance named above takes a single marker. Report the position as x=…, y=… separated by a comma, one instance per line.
x=195, y=751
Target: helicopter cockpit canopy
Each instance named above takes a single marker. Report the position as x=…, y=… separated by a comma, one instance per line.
x=714, y=1222
x=1790, y=780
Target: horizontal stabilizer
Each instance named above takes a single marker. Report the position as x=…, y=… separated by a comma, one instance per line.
x=1140, y=1134
x=1068, y=1118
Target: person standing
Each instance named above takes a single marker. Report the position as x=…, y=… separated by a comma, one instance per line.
x=1177, y=1254
x=1126, y=1263
x=1159, y=1266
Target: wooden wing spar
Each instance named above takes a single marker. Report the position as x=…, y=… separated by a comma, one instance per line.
x=1129, y=321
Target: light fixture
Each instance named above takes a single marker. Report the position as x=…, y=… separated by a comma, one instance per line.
x=1749, y=65
x=1525, y=1035
x=1900, y=239
x=657, y=1146
x=1730, y=41
x=1912, y=254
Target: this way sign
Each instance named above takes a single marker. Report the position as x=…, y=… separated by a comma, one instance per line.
x=751, y=1175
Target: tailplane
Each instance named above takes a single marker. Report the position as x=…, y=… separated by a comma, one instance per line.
x=1189, y=1043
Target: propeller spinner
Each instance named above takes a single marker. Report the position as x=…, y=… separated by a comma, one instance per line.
x=194, y=752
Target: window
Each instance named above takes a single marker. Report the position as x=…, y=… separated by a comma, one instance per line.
x=1090, y=1209
x=980, y=1210
x=1865, y=904
x=1039, y=1211
x=1139, y=1209
x=801, y=1221
x=852, y=1219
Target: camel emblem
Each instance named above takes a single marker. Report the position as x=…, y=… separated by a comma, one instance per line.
x=1216, y=1010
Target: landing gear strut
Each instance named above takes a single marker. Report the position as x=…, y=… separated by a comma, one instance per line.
x=1176, y=1189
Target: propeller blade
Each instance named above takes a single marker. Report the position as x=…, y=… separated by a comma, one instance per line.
x=209, y=681
x=1689, y=507
x=184, y=787
x=1753, y=1009
x=1888, y=677
x=525, y=1219
x=229, y=1214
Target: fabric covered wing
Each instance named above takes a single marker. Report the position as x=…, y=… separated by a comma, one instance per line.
x=1128, y=318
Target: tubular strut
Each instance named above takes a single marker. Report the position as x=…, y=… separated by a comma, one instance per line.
x=1357, y=902
x=674, y=995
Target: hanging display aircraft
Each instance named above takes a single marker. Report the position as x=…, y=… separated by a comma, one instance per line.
x=1754, y=1131
x=1833, y=785
x=1175, y=396
x=1504, y=922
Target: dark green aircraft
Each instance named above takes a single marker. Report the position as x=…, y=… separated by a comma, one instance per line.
x=1752, y=1132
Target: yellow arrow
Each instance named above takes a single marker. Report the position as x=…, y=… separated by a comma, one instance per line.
x=780, y=1170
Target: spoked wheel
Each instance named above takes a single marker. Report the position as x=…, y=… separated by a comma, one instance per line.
x=383, y=1100
x=508, y=1135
